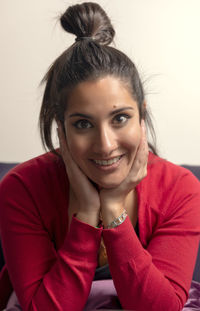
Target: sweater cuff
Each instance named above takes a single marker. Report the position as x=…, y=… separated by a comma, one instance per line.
x=83, y=240
x=122, y=243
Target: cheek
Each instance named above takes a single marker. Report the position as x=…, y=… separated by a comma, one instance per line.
x=77, y=145
x=132, y=138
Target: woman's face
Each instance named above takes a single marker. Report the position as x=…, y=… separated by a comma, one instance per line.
x=103, y=130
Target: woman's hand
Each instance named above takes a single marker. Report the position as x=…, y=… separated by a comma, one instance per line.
x=82, y=191
x=114, y=199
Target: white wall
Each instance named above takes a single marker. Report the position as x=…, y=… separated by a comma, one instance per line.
x=162, y=37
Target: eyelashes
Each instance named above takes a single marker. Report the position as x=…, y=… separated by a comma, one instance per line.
x=82, y=124
x=121, y=118
x=118, y=120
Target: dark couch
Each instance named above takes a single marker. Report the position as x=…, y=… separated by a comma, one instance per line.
x=5, y=167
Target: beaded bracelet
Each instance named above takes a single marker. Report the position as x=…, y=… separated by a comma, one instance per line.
x=118, y=221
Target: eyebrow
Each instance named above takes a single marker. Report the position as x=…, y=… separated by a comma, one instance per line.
x=87, y=116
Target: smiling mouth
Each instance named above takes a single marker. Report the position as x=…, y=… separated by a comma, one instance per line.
x=107, y=162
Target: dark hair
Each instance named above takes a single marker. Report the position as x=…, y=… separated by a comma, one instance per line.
x=89, y=58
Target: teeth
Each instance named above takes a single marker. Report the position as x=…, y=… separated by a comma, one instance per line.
x=109, y=162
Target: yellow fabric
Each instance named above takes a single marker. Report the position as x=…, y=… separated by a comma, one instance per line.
x=102, y=260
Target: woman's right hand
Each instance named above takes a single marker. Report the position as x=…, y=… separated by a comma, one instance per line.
x=82, y=191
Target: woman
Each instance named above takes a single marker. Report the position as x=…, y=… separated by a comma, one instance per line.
x=102, y=203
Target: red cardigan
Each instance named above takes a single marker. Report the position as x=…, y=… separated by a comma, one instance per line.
x=52, y=270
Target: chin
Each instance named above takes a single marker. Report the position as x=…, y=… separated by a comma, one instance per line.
x=107, y=184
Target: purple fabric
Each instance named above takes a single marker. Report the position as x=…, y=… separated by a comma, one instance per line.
x=13, y=304
x=193, y=302
x=103, y=295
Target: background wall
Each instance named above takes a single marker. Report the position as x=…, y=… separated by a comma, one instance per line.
x=162, y=37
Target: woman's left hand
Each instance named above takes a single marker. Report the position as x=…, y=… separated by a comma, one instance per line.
x=115, y=198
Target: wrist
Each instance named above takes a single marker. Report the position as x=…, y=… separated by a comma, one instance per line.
x=91, y=218
x=112, y=202
x=109, y=215
x=118, y=220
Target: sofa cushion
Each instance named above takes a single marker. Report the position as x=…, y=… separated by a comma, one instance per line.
x=194, y=169
x=5, y=167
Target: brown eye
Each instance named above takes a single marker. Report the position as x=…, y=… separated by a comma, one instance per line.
x=82, y=124
x=121, y=118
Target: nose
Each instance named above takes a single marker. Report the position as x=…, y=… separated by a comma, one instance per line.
x=105, y=142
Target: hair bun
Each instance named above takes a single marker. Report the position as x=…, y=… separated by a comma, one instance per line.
x=88, y=20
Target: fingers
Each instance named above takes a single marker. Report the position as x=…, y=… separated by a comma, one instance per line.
x=142, y=153
x=84, y=192
x=74, y=173
x=65, y=153
x=139, y=167
x=62, y=141
x=143, y=149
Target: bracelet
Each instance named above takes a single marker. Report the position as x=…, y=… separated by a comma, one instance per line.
x=118, y=221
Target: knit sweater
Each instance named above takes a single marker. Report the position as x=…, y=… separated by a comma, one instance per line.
x=51, y=268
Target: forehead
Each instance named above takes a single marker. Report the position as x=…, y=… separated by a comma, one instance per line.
x=100, y=95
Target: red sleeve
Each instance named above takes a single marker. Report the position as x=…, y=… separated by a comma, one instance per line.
x=158, y=277
x=44, y=279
